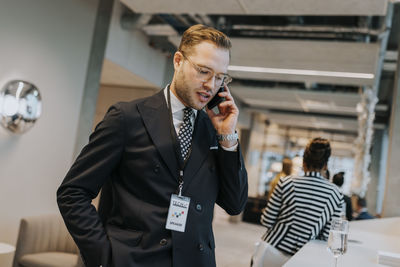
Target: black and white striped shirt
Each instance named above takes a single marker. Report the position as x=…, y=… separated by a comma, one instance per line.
x=300, y=209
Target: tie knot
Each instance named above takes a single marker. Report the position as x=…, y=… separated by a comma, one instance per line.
x=187, y=113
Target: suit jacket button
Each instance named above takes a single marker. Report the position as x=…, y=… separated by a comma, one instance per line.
x=199, y=207
x=163, y=242
x=157, y=168
x=201, y=248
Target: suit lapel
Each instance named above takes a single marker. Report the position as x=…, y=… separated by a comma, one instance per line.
x=155, y=115
x=201, y=142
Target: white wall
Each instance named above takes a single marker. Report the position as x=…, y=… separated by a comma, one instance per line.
x=46, y=42
x=131, y=50
x=111, y=94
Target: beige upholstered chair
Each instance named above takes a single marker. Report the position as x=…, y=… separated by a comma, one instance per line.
x=44, y=241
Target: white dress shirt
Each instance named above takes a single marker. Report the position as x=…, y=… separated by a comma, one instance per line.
x=177, y=111
x=177, y=115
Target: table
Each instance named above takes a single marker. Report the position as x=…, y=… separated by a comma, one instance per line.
x=364, y=240
x=6, y=254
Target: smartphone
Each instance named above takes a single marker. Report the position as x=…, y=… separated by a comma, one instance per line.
x=216, y=99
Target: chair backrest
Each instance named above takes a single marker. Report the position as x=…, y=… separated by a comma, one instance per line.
x=44, y=233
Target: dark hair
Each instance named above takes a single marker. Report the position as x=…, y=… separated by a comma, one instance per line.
x=362, y=202
x=317, y=153
x=327, y=174
x=338, y=179
x=199, y=33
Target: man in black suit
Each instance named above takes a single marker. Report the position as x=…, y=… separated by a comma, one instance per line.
x=159, y=160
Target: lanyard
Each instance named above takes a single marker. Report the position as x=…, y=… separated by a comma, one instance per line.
x=175, y=142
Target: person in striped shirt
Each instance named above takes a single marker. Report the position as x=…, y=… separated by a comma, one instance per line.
x=301, y=208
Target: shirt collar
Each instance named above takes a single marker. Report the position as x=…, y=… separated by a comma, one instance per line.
x=313, y=174
x=176, y=104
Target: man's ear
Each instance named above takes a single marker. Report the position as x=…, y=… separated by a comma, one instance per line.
x=178, y=59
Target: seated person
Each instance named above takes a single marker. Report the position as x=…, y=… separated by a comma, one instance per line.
x=338, y=180
x=362, y=210
x=286, y=170
x=301, y=208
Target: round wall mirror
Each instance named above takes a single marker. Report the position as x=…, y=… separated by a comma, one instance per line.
x=20, y=106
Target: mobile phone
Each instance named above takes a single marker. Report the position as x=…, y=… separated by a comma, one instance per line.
x=216, y=99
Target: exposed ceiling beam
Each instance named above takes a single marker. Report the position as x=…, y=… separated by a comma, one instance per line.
x=297, y=55
x=313, y=29
x=261, y=7
x=336, y=103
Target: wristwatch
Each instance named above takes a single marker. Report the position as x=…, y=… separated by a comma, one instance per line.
x=227, y=137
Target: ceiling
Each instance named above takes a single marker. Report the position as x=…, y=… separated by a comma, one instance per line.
x=335, y=58
x=312, y=58
x=260, y=7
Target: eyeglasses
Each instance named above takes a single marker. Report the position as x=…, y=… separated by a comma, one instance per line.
x=205, y=74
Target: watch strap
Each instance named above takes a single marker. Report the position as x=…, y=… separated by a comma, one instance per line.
x=227, y=137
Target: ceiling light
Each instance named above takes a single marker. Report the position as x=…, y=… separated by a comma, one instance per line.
x=338, y=74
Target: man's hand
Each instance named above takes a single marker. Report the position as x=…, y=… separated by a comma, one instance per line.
x=225, y=122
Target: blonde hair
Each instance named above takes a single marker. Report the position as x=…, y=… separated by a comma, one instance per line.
x=287, y=166
x=200, y=33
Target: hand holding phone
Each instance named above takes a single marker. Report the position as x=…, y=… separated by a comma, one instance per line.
x=217, y=99
x=225, y=118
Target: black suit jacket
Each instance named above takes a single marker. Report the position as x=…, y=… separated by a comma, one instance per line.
x=131, y=156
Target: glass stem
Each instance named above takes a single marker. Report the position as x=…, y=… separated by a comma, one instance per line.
x=336, y=261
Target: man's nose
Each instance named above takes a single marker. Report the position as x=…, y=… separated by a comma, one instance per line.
x=210, y=83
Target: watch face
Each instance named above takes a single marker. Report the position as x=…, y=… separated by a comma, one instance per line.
x=227, y=137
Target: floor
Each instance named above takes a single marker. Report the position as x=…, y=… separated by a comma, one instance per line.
x=234, y=241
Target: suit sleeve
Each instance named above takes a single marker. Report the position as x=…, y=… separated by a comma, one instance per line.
x=92, y=168
x=233, y=190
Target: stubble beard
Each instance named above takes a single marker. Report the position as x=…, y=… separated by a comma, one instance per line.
x=184, y=93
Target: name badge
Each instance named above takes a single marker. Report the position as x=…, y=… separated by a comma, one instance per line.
x=177, y=213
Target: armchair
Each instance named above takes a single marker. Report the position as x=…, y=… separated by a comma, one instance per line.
x=44, y=241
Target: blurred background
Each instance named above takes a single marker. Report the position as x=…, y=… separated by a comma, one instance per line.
x=301, y=69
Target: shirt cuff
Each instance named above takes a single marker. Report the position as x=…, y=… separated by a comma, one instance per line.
x=232, y=148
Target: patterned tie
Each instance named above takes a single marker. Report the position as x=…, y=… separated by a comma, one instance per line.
x=185, y=133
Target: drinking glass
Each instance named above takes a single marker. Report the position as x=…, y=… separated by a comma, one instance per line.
x=337, y=241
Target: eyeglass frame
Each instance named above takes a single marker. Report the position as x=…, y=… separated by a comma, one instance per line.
x=225, y=80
